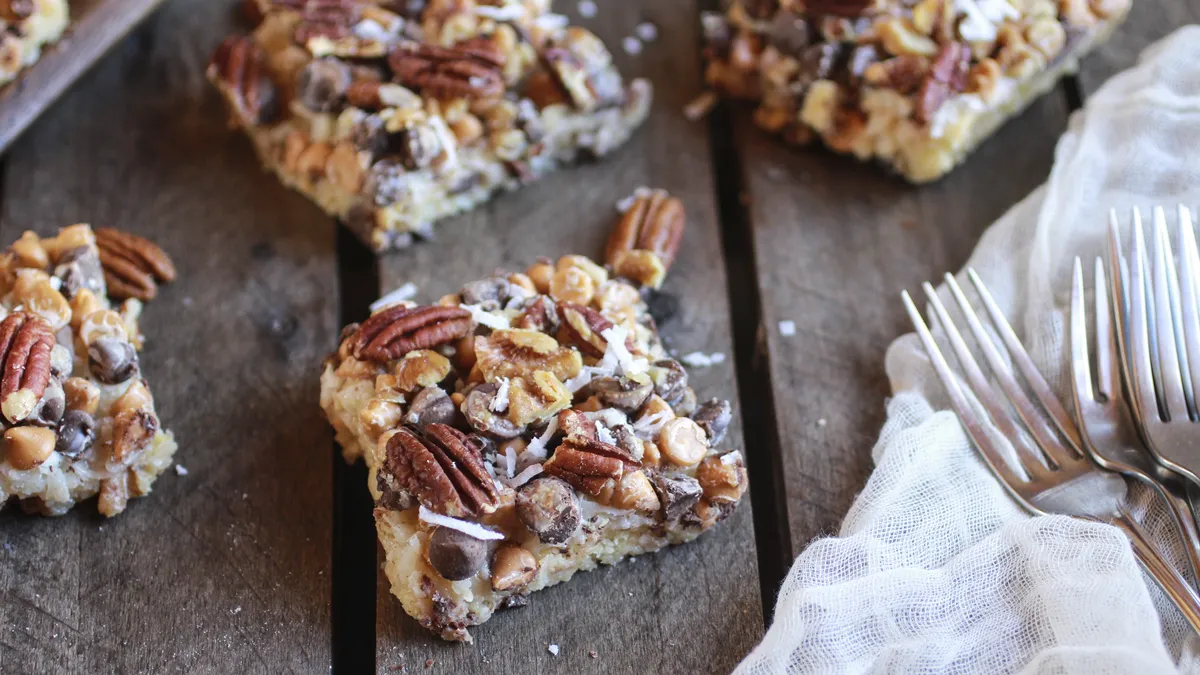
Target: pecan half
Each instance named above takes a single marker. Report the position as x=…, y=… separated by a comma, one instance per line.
x=469, y=70
x=655, y=223
x=16, y=10
x=398, y=330
x=583, y=327
x=589, y=464
x=333, y=19
x=133, y=432
x=582, y=68
x=25, y=343
x=541, y=315
x=443, y=469
x=845, y=8
x=519, y=352
x=133, y=266
x=947, y=74
x=239, y=65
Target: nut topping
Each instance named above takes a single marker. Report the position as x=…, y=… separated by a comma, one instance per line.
x=583, y=327
x=466, y=71
x=589, y=465
x=655, y=223
x=678, y=494
x=519, y=352
x=25, y=342
x=27, y=447
x=442, y=469
x=723, y=479
x=240, y=65
x=133, y=432
x=133, y=266
x=480, y=406
x=393, y=332
x=536, y=398
x=713, y=417
x=549, y=508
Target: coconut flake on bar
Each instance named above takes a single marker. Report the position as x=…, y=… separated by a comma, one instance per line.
x=537, y=446
x=525, y=476
x=510, y=461
x=485, y=318
x=465, y=526
x=647, y=427
x=402, y=294
x=500, y=401
x=626, y=363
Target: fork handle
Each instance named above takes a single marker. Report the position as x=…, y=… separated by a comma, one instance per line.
x=1170, y=581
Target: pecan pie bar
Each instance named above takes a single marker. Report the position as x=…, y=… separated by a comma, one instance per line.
x=528, y=427
x=391, y=119
x=912, y=84
x=25, y=27
x=77, y=417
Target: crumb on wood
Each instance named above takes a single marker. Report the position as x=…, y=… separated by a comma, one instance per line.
x=699, y=107
x=592, y=654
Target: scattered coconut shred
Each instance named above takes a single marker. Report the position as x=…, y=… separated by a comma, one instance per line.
x=702, y=360
x=406, y=292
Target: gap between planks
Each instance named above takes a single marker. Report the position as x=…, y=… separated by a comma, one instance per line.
x=354, y=549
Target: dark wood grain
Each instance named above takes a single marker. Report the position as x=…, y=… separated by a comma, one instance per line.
x=96, y=25
x=226, y=569
x=1148, y=21
x=690, y=609
x=835, y=241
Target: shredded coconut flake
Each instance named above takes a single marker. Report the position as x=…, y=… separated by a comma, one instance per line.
x=632, y=46
x=731, y=458
x=537, y=447
x=526, y=475
x=510, y=461
x=646, y=31
x=647, y=427
x=553, y=649
x=702, y=360
x=580, y=381
x=181, y=470
x=369, y=29
x=506, y=13
x=587, y=9
x=699, y=107
x=464, y=526
x=500, y=401
x=626, y=362
x=402, y=294
x=605, y=435
x=787, y=328
x=552, y=22
x=486, y=318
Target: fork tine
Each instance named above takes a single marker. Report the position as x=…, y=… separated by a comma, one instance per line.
x=1108, y=377
x=1049, y=441
x=1140, y=361
x=1188, y=299
x=991, y=454
x=1080, y=367
x=1118, y=291
x=1028, y=455
x=1168, y=354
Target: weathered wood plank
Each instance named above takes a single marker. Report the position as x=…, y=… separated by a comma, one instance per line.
x=692, y=609
x=835, y=242
x=1148, y=21
x=225, y=569
x=96, y=25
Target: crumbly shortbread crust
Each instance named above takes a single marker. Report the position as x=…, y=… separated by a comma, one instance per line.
x=915, y=86
x=77, y=417
x=26, y=26
x=526, y=428
x=392, y=121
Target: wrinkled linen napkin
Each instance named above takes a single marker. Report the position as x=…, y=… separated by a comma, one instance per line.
x=936, y=569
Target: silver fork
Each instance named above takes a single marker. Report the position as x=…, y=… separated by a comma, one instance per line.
x=1050, y=476
x=1162, y=354
x=1107, y=431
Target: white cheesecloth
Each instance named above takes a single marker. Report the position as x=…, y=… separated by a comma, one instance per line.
x=936, y=569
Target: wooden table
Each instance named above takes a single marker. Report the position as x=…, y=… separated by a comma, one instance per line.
x=262, y=558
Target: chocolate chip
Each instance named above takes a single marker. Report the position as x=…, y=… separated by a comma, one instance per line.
x=514, y=601
x=491, y=294
x=789, y=33
x=112, y=361
x=322, y=84
x=391, y=495
x=78, y=269
x=678, y=494
x=431, y=405
x=549, y=508
x=478, y=409
x=388, y=182
x=76, y=433
x=713, y=416
x=670, y=380
x=417, y=146
x=50, y=408
x=369, y=134
x=456, y=555
x=620, y=393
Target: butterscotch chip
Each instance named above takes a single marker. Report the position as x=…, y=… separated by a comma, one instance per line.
x=68, y=393
x=550, y=434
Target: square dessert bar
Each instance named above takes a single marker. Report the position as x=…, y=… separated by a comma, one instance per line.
x=914, y=85
x=78, y=419
x=529, y=427
x=25, y=27
x=391, y=119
